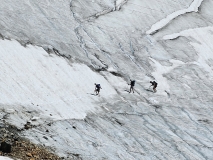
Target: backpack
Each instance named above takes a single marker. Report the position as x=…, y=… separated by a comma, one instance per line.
x=155, y=83
x=98, y=85
x=133, y=83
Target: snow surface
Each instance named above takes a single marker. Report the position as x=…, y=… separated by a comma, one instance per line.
x=85, y=42
x=163, y=70
x=202, y=44
x=192, y=8
x=5, y=158
x=47, y=83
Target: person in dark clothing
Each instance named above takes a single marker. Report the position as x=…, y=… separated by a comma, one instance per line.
x=132, y=84
x=154, y=84
x=97, y=88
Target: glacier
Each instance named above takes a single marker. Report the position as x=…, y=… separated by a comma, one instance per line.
x=52, y=53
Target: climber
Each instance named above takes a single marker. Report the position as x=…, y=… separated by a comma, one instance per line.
x=97, y=88
x=132, y=84
x=154, y=84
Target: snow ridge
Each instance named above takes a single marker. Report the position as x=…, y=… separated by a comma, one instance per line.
x=162, y=23
x=186, y=33
x=119, y=4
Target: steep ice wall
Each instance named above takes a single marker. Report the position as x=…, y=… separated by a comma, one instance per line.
x=67, y=46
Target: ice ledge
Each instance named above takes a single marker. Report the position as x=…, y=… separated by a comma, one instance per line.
x=162, y=23
x=186, y=33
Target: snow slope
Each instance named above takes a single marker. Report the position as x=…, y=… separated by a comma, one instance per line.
x=47, y=83
x=59, y=49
